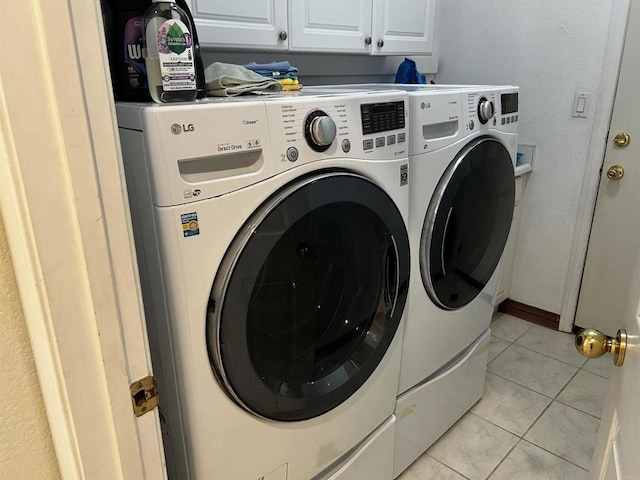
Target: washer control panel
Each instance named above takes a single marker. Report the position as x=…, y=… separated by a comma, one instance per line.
x=369, y=125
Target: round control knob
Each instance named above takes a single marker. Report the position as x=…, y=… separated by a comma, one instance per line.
x=320, y=130
x=485, y=110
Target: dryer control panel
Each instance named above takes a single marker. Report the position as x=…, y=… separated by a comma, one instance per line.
x=491, y=108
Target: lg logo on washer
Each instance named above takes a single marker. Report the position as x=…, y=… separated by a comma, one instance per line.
x=177, y=129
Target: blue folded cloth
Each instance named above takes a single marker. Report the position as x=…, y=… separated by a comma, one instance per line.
x=278, y=73
x=284, y=65
x=274, y=69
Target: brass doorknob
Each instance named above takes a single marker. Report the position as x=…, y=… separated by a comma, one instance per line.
x=615, y=172
x=622, y=139
x=593, y=344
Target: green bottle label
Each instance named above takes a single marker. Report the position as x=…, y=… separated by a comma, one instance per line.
x=176, y=39
x=175, y=52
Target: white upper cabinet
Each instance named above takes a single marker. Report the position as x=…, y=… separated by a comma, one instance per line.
x=241, y=23
x=376, y=27
x=330, y=25
x=402, y=27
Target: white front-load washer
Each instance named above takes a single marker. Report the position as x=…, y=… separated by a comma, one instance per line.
x=274, y=261
x=463, y=144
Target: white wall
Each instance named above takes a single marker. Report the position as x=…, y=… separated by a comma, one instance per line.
x=329, y=69
x=26, y=447
x=551, y=50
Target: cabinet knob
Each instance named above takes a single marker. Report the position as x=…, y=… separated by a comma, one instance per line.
x=380, y=43
x=283, y=35
x=367, y=41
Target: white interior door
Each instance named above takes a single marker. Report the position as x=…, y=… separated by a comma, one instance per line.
x=616, y=452
x=615, y=235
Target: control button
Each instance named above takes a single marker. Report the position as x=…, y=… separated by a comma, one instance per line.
x=292, y=154
x=391, y=139
x=367, y=144
x=513, y=119
x=380, y=142
x=508, y=120
x=516, y=118
x=503, y=121
x=494, y=121
x=346, y=145
x=471, y=124
x=401, y=137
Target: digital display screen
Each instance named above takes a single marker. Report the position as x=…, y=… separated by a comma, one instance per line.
x=509, y=103
x=384, y=108
x=382, y=117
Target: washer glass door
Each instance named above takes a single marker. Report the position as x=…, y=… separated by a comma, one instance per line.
x=467, y=223
x=309, y=297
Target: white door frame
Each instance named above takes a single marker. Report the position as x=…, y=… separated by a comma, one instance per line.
x=595, y=159
x=65, y=212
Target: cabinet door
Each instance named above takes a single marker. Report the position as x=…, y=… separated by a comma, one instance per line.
x=241, y=24
x=330, y=25
x=402, y=27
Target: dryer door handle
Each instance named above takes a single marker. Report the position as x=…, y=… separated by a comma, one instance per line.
x=444, y=241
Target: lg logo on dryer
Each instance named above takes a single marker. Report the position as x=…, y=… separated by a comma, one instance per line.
x=177, y=128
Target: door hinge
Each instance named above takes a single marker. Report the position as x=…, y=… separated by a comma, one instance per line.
x=144, y=395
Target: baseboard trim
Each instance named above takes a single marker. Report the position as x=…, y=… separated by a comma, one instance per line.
x=530, y=314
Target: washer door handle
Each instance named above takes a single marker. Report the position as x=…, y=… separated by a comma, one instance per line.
x=391, y=276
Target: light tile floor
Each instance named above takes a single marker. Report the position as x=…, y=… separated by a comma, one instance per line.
x=538, y=417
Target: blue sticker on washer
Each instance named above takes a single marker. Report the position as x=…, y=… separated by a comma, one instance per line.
x=190, y=225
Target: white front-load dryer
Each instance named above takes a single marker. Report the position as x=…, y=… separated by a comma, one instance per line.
x=274, y=262
x=462, y=154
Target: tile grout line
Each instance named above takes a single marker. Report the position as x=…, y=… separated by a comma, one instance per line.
x=503, y=459
x=540, y=353
x=553, y=399
x=523, y=386
x=554, y=454
x=521, y=437
x=448, y=466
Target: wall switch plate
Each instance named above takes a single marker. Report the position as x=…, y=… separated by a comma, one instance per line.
x=581, y=102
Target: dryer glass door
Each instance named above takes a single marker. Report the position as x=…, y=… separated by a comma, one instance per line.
x=309, y=297
x=467, y=223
